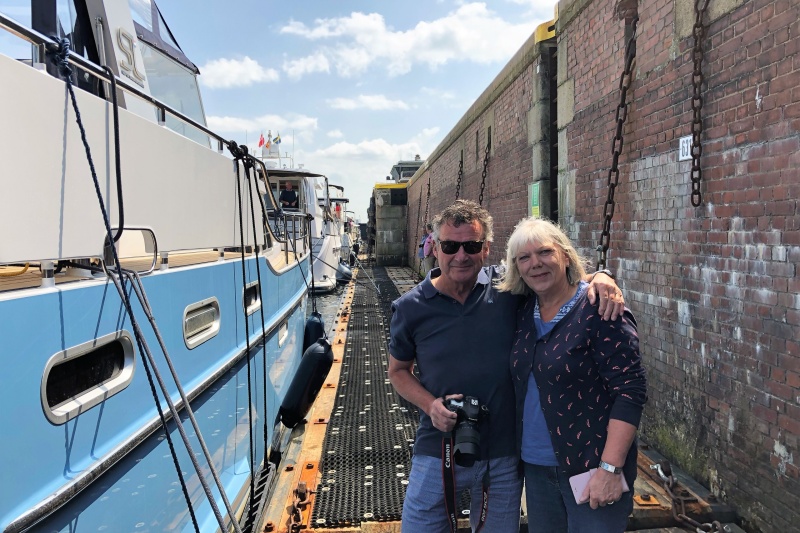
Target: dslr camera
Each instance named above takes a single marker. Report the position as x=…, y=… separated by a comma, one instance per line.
x=466, y=436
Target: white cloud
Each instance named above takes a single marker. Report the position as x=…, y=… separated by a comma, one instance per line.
x=335, y=134
x=428, y=133
x=297, y=68
x=227, y=73
x=374, y=102
x=544, y=9
x=439, y=94
x=361, y=41
x=301, y=126
x=336, y=27
x=229, y=124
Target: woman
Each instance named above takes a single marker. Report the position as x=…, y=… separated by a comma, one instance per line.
x=580, y=388
x=426, y=231
x=429, y=258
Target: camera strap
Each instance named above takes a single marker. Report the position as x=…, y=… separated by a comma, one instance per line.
x=449, y=483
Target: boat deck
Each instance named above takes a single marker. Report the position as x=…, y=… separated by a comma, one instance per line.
x=17, y=277
x=349, y=464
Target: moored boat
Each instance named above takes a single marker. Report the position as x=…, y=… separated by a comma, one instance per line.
x=325, y=204
x=151, y=320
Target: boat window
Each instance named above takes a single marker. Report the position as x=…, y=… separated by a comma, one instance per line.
x=62, y=18
x=165, y=34
x=10, y=45
x=176, y=86
x=283, y=333
x=201, y=322
x=73, y=23
x=141, y=11
x=83, y=376
x=143, y=14
x=251, y=298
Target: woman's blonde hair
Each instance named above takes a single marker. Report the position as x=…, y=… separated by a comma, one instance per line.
x=540, y=230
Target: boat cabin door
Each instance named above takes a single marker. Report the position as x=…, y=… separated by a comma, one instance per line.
x=290, y=195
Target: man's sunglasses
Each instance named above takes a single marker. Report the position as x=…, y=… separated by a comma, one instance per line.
x=451, y=247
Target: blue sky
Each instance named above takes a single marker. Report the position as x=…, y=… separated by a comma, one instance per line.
x=352, y=86
x=361, y=84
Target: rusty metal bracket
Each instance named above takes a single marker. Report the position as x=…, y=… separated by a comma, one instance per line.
x=303, y=499
x=646, y=500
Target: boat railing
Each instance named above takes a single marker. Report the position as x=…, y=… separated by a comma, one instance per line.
x=289, y=228
x=283, y=222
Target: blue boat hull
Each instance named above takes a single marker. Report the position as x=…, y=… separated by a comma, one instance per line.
x=110, y=468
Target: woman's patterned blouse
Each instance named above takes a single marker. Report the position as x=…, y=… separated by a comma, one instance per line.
x=588, y=370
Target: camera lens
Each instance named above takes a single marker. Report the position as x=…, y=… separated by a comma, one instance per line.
x=467, y=446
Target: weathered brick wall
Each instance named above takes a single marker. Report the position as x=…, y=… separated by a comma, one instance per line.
x=715, y=289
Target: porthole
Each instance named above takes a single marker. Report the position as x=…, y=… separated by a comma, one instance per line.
x=283, y=333
x=252, y=297
x=78, y=378
x=201, y=322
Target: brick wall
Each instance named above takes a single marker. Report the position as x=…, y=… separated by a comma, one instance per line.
x=715, y=289
x=504, y=107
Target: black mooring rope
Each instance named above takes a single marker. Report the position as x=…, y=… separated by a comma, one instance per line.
x=237, y=155
x=117, y=164
x=248, y=164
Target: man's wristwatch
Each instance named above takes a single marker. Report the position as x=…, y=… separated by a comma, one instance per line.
x=610, y=468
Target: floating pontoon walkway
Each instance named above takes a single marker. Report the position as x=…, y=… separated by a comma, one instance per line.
x=349, y=463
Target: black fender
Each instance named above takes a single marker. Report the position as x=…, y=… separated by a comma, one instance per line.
x=315, y=330
x=343, y=273
x=306, y=384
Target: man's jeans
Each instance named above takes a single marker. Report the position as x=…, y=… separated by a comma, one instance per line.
x=424, y=509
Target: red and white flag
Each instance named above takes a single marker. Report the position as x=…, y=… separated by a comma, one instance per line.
x=261, y=141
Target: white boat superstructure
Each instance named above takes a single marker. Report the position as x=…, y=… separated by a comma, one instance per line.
x=325, y=204
x=151, y=320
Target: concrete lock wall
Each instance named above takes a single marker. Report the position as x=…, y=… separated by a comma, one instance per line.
x=391, y=231
x=714, y=288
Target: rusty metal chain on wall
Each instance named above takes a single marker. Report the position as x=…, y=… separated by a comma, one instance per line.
x=428, y=199
x=698, y=32
x=625, y=82
x=422, y=224
x=419, y=230
x=460, y=174
x=485, y=163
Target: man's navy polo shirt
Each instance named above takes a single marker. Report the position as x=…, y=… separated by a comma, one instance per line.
x=461, y=349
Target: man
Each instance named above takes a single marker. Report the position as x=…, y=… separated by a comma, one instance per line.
x=288, y=197
x=458, y=329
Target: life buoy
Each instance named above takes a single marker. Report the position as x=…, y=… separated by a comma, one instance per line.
x=306, y=384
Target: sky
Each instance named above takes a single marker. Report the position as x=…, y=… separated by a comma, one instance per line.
x=351, y=86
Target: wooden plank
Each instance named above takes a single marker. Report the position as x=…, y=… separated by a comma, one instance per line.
x=31, y=279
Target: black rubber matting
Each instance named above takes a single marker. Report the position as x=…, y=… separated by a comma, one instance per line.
x=368, y=443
